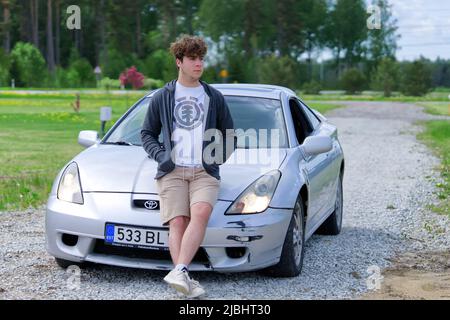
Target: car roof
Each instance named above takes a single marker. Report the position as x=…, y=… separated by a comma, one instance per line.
x=250, y=89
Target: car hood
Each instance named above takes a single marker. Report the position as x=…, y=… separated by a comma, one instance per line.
x=112, y=168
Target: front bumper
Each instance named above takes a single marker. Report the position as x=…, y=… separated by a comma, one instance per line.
x=265, y=233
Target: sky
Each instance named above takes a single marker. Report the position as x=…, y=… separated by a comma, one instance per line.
x=424, y=26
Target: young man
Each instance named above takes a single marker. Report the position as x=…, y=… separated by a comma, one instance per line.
x=188, y=185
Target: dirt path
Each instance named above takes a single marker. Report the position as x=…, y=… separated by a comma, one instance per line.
x=419, y=274
x=416, y=275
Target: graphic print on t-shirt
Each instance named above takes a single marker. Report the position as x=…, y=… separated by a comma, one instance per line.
x=188, y=113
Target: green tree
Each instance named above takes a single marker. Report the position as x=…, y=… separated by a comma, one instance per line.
x=314, y=15
x=160, y=65
x=29, y=64
x=244, y=27
x=346, y=31
x=382, y=43
x=50, y=41
x=5, y=65
x=290, y=27
x=279, y=71
x=386, y=77
x=416, y=79
x=189, y=9
x=6, y=24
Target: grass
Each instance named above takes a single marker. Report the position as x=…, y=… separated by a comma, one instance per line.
x=437, y=136
x=38, y=136
x=440, y=95
x=437, y=108
x=323, y=107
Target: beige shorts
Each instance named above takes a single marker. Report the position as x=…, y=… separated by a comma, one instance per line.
x=181, y=188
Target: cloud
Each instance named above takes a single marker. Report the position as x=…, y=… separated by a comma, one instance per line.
x=423, y=25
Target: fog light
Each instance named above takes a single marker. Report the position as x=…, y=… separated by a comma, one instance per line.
x=69, y=239
x=236, y=253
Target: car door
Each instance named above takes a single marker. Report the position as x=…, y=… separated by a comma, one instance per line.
x=314, y=166
x=327, y=163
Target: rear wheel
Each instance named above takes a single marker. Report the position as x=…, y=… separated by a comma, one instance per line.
x=291, y=260
x=332, y=226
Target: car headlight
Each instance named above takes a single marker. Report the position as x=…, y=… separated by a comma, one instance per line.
x=69, y=188
x=256, y=198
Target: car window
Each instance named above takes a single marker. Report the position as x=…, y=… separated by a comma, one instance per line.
x=315, y=122
x=258, y=121
x=129, y=129
x=301, y=123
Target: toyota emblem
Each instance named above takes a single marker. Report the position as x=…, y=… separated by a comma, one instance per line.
x=151, y=204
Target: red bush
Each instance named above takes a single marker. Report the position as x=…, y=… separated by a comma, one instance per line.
x=133, y=77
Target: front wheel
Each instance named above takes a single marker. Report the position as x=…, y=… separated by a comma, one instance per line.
x=291, y=260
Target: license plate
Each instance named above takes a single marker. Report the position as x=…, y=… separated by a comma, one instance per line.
x=136, y=236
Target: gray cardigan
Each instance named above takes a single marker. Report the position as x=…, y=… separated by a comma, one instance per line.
x=160, y=118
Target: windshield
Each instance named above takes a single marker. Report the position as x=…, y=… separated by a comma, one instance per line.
x=259, y=123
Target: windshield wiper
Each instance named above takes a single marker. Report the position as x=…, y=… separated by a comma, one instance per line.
x=121, y=143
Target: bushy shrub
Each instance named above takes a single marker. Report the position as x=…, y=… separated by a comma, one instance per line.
x=61, y=80
x=353, y=81
x=114, y=61
x=312, y=87
x=416, y=79
x=151, y=84
x=81, y=74
x=109, y=84
x=132, y=77
x=386, y=77
x=29, y=65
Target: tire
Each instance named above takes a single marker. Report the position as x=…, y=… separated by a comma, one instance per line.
x=66, y=263
x=332, y=226
x=291, y=260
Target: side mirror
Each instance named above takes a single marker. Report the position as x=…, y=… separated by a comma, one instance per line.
x=88, y=138
x=316, y=144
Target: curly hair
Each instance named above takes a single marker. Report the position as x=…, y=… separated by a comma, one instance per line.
x=189, y=46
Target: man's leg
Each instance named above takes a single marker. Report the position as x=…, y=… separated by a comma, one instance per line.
x=191, y=240
x=177, y=227
x=195, y=232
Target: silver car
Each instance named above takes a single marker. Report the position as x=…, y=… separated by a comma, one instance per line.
x=282, y=184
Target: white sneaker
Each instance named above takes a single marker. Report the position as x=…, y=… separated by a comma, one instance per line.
x=196, y=289
x=179, y=280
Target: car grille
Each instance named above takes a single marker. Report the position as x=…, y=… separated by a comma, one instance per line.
x=138, y=253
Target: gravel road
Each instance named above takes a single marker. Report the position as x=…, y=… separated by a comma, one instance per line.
x=388, y=183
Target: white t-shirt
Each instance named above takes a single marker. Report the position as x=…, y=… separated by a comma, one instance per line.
x=189, y=120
